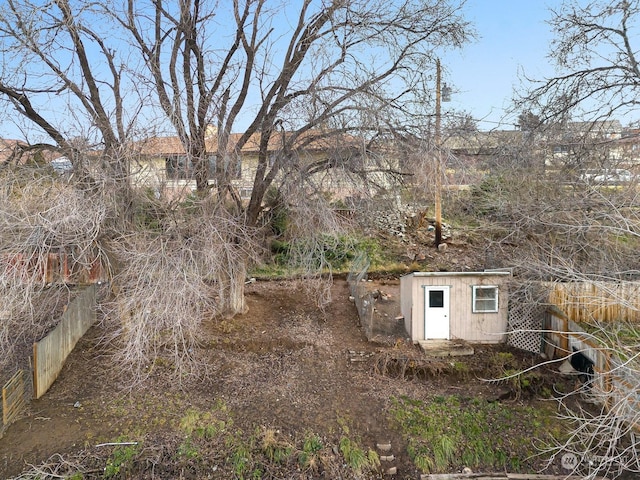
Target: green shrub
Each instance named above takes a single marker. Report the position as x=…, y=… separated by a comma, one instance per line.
x=203, y=424
x=356, y=458
x=188, y=450
x=121, y=461
x=485, y=196
x=274, y=449
x=308, y=457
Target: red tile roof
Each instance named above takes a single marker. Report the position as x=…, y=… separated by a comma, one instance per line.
x=311, y=140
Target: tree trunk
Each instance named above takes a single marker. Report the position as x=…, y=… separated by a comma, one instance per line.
x=232, y=281
x=202, y=175
x=236, y=298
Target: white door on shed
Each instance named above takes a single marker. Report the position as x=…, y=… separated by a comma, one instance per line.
x=436, y=312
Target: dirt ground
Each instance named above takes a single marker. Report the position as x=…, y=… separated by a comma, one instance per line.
x=285, y=365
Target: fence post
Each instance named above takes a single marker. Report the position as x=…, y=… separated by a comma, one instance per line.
x=564, y=336
x=34, y=373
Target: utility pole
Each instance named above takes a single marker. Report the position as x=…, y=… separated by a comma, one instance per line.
x=443, y=94
x=438, y=199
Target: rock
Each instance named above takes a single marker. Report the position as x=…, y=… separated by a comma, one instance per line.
x=392, y=470
x=384, y=447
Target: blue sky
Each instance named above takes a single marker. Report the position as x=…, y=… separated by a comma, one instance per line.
x=513, y=38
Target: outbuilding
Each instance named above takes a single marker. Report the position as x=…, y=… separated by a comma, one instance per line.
x=471, y=306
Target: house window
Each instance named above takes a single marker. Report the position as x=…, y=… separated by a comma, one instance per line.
x=485, y=299
x=180, y=167
x=231, y=164
x=561, y=149
x=177, y=167
x=245, y=193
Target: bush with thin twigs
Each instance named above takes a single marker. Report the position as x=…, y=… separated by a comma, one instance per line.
x=172, y=279
x=41, y=215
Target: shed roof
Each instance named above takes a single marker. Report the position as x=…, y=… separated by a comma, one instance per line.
x=458, y=274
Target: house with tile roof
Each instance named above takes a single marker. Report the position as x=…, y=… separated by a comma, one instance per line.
x=332, y=160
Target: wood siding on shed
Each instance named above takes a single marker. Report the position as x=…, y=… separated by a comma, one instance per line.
x=406, y=303
x=464, y=324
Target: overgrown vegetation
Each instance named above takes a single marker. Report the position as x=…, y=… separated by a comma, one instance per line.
x=357, y=458
x=211, y=439
x=448, y=433
x=176, y=264
x=121, y=462
x=505, y=369
x=333, y=253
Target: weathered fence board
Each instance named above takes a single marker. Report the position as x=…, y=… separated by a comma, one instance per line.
x=500, y=476
x=14, y=397
x=601, y=301
x=49, y=267
x=364, y=300
x=50, y=353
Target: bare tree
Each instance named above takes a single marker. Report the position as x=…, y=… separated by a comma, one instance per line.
x=595, y=53
x=570, y=231
x=330, y=69
x=597, y=79
x=40, y=215
x=298, y=86
x=552, y=231
x=65, y=86
x=293, y=75
x=170, y=285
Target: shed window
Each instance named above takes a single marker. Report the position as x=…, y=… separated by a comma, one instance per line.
x=485, y=299
x=436, y=299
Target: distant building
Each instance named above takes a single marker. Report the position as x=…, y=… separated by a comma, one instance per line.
x=62, y=165
x=334, y=161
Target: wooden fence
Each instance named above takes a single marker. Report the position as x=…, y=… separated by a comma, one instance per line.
x=616, y=382
x=14, y=399
x=601, y=301
x=59, y=267
x=50, y=353
x=363, y=299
